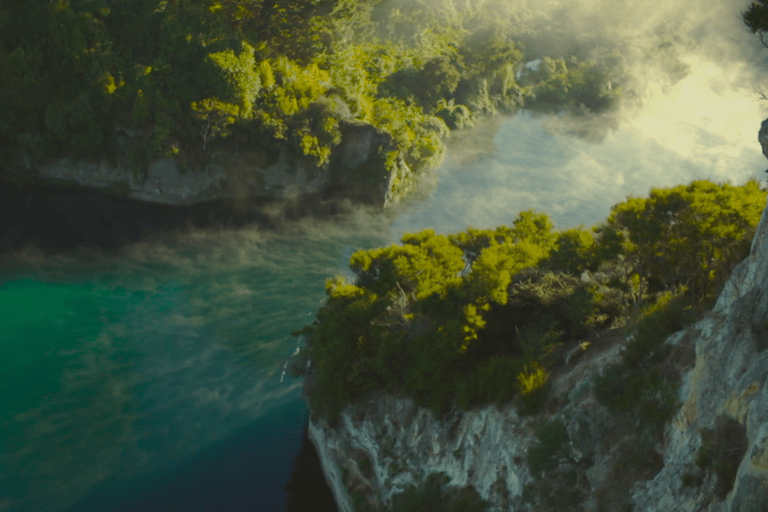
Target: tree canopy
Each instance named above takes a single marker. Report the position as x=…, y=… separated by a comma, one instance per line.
x=755, y=17
x=472, y=317
x=144, y=79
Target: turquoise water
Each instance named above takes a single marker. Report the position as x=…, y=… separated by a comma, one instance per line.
x=121, y=370
x=131, y=379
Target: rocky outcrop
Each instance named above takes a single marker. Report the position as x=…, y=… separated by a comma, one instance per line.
x=360, y=170
x=762, y=137
x=387, y=444
x=356, y=171
x=712, y=456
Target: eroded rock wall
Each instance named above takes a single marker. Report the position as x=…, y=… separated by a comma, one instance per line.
x=728, y=380
x=356, y=171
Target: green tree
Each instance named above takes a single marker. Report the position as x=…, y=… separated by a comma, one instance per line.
x=755, y=17
x=686, y=236
x=215, y=118
x=573, y=252
x=241, y=74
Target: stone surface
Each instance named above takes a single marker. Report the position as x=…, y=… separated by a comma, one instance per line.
x=356, y=171
x=359, y=165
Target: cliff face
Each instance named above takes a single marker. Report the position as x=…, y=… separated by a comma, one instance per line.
x=712, y=456
x=727, y=381
x=356, y=171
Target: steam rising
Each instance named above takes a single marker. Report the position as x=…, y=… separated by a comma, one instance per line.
x=691, y=111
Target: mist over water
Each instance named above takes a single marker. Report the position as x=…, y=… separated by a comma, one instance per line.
x=132, y=364
x=122, y=369
x=703, y=127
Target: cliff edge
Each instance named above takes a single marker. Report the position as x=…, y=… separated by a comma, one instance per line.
x=357, y=171
x=712, y=456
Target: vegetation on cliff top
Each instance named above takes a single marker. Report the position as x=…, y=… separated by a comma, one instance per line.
x=474, y=317
x=138, y=80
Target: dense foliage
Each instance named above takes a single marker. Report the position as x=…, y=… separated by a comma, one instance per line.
x=472, y=318
x=148, y=78
x=756, y=17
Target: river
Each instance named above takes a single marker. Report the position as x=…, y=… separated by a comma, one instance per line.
x=152, y=378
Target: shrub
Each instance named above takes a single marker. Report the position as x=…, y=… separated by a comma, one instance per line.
x=721, y=451
x=493, y=380
x=551, y=449
x=637, y=384
x=434, y=495
x=532, y=378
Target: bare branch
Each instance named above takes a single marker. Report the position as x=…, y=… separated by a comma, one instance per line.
x=761, y=93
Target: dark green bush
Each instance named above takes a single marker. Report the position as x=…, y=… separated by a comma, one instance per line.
x=494, y=380
x=638, y=384
x=532, y=403
x=435, y=496
x=721, y=451
x=551, y=449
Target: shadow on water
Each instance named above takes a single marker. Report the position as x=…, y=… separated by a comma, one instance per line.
x=307, y=489
x=229, y=476
x=55, y=219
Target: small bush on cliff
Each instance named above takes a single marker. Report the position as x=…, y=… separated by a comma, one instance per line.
x=551, y=448
x=435, y=495
x=637, y=385
x=555, y=486
x=721, y=451
x=494, y=380
x=534, y=385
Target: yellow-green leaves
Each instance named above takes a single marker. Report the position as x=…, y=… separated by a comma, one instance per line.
x=426, y=264
x=533, y=377
x=508, y=251
x=266, y=75
x=687, y=235
x=214, y=116
x=339, y=287
x=109, y=84
x=573, y=251
x=474, y=322
x=239, y=70
x=293, y=106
